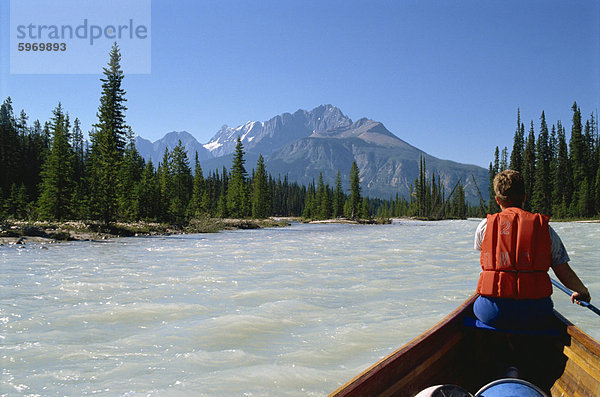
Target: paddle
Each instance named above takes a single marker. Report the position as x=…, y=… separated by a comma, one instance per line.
x=569, y=292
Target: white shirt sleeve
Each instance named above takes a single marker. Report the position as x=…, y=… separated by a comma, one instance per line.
x=559, y=253
x=479, y=234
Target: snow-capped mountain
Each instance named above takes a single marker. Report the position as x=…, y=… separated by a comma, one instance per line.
x=268, y=136
x=324, y=140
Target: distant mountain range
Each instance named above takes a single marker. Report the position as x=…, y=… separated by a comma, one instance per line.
x=325, y=140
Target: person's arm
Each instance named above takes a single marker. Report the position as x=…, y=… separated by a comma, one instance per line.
x=567, y=276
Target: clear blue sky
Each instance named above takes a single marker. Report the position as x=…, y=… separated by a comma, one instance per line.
x=445, y=76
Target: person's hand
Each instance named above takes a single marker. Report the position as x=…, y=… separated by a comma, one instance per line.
x=581, y=296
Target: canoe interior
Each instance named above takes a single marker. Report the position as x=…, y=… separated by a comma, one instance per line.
x=567, y=364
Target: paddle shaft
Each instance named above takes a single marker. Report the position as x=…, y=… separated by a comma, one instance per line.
x=569, y=292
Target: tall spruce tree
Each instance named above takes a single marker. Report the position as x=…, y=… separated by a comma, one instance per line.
x=504, y=159
x=238, y=203
x=148, y=204
x=261, y=193
x=577, y=147
x=529, y=165
x=9, y=147
x=492, y=204
x=181, y=175
x=196, y=207
x=108, y=141
x=355, y=199
x=338, y=197
x=130, y=175
x=563, y=182
x=542, y=191
x=58, y=172
x=516, y=159
x=165, y=182
x=222, y=209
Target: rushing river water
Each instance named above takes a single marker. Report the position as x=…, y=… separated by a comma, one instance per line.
x=290, y=311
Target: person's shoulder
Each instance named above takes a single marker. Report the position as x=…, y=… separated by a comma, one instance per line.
x=482, y=224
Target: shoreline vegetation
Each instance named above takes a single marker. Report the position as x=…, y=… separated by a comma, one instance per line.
x=16, y=232
x=49, y=172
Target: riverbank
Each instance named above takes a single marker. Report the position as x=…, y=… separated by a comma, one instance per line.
x=21, y=232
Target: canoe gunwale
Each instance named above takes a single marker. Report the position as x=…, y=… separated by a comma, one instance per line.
x=353, y=386
x=404, y=368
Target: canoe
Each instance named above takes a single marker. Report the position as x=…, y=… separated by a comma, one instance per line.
x=564, y=362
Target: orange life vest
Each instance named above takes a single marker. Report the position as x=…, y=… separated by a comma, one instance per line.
x=515, y=256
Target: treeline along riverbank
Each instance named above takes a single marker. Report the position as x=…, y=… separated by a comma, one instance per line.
x=50, y=172
x=562, y=177
x=21, y=232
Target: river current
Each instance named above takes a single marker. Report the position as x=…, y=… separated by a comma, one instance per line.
x=293, y=311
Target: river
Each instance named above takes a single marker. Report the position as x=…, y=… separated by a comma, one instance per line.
x=293, y=311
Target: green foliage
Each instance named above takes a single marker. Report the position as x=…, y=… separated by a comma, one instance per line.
x=562, y=179
x=338, y=197
x=130, y=175
x=354, y=191
x=238, y=200
x=542, y=186
x=48, y=172
x=261, y=194
x=516, y=156
x=428, y=199
x=58, y=172
x=180, y=183
x=148, y=203
x=198, y=205
x=108, y=142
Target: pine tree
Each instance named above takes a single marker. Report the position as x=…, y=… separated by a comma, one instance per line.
x=9, y=147
x=577, y=147
x=504, y=159
x=238, y=203
x=563, y=187
x=165, y=181
x=338, y=197
x=529, y=165
x=222, y=209
x=516, y=159
x=79, y=204
x=492, y=204
x=58, y=172
x=148, y=204
x=309, y=210
x=542, y=191
x=181, y=183
x=197, y=208
x=108, y=142
x=355, y=198
x=324, y=199
x=130, y=175
x=364, y=212
x=261, y=195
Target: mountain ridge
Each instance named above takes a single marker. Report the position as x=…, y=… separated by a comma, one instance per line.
x=324, y=140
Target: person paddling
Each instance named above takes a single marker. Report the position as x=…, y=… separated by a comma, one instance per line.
x=517, y=250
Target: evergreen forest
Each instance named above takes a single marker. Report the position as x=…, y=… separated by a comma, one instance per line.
x=51, y=172
x=562, y=177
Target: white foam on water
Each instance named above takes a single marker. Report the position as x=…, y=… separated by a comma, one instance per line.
x=291, y=311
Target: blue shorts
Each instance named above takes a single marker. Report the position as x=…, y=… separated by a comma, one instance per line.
x=514, y=314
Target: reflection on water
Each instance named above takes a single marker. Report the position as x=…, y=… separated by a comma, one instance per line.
x=292, y=311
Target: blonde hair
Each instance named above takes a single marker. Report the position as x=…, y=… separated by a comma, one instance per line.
x=510, y=188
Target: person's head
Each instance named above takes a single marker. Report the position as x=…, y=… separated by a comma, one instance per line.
x=509, y=188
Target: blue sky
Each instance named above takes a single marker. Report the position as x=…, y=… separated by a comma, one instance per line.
x=445, y=76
